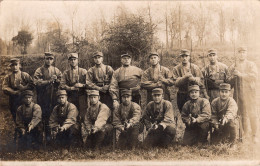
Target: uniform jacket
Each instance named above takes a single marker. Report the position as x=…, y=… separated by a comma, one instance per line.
x=64, y=116
x=44, y=73
x=25, y=115
x=96, y=116
x=220, y=110
x=131, y=73
x=199, y=109
x=161, y=114
x=130, y=113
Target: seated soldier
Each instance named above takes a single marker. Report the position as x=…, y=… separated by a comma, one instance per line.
x=28, y=121
x=95, y=128
x=63, y=122
x=224, y=111
x=196, y=115
x=126, y=119
x=159, y=121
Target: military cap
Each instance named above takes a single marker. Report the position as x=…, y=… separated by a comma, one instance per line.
x=126, y=92
x=157, y=91
x=212, y=51
x=242, y=48
x=61, y=92
x=98, y=54
x=73, y=55
x=27, y=92
x=153, y=53
x=185, y=52
x=126, y=54
x=194, y=87
x=93, y=93
x=48, y=54
x=224, y=86
x=14, y=61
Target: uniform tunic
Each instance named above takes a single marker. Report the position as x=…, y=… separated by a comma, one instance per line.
x=126, y=77
x=151, y=80
x=182, y=83
x=11, y=84
x=245, y=92
x=100, y=76
x=214, y=76
x=79, y=98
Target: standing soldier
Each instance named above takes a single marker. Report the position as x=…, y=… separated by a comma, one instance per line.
x=28, y=121
x=187, y=74
x=126, y=119
x=215, y=73
x=159, y=121
x=126, y=77
x=47, y=79
x=196, y=115
x=14, y=83
x=96, y=128
x=224, y=112
x=243, y=77
x=63, y=122
x=74, y=82
x=156, y=76
x=99, y=79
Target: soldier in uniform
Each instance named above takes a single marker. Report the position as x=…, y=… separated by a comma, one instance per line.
x=47, y=79
x=214, y=74
x=96, y=128
x=99, y=77
x=196, y=115
x=14, y=83
x=63, y=122
x=159, y=121
x=126, y=77
x=126, y=119
x=243, y=77
x=187, y=74
x=28, y=121
x=157, y=76
x=74, y=82
x=224, y=112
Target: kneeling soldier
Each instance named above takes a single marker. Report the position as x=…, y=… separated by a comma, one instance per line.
x=196, y=115
x=95, y=127
x=28, y=121
x=224, y=111
x=63, y=122
x=126, y=119
x=159, y=121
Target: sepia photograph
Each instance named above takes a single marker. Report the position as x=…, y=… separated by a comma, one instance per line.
x=129, y=82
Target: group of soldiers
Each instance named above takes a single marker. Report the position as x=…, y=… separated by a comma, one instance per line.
x=86, y=107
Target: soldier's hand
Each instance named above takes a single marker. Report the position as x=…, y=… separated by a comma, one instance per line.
x=188, y=75
x=128, y=125
x=193, y=120
x=74, y=88
x=115, y=104
x=61, y=129
x=79, y=85
x=23, y=132
x=21, y=87
x=17, y=92
x=224, y=121
x=53, y=78
x=216, y=126
x=155, y=126
x=105, y=88
x=84, y=139
x=237, y=73
x=159, y=84
x=30, y=127
x=94, y=130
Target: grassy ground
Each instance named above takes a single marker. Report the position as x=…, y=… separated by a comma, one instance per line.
x=245, y=151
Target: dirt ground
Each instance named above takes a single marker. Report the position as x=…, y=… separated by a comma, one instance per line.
x=243, y=151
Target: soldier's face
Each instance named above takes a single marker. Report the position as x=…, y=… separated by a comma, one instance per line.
x=62, y=99
x=126, y=61
x=98, y=60
x=49, y=61
x=126, y=99
x=224, y=94
x=213, y=58
x=185, y=59
x=93, y=99
x=27, y=99
x=154, y=60
x=194, y=94
x=73, y=62
x=242, y=55
x=157, y=98
x=15, y=67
